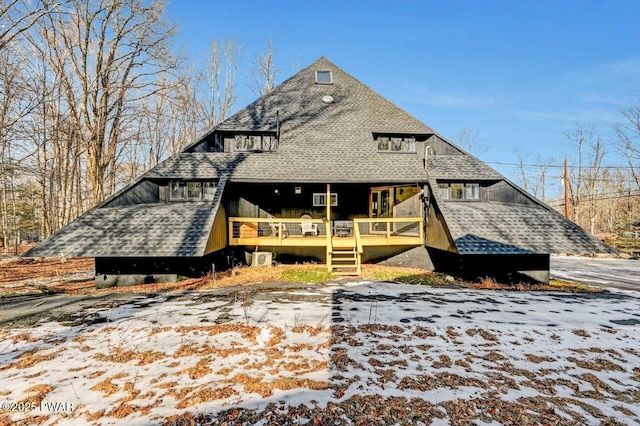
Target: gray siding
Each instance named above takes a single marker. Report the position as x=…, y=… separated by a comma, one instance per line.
x=502, y=192
x=144, y=192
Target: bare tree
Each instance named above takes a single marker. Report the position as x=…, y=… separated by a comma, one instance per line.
x=15, y=105
x=18, y=16
x=263, y=72
x=220, y=76
x=629, y=133
x=108, y=54
x=469, y=140
x=533, y=177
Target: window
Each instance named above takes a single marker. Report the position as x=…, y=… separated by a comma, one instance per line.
x=324, y=77
x=387, y=143
x=320, y=199
x=209, y=190
x=192, y=190
x=443, y=188
x=472, y=191
x=459, y=191
x=243, y=143
x=177, y=191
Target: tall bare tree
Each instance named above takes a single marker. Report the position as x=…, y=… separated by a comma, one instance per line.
x=263, y=72
x=18, y=16
x=534, y=177
x=469, y=140
x=220, y=79
x=629, y=133
x=108, y=54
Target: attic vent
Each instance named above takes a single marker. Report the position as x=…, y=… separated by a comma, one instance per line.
x=324, y=77
x=327, y=99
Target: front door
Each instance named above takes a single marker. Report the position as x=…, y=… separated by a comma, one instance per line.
x=381, y=202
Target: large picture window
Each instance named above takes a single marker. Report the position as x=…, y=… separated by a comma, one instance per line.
x=320, y=199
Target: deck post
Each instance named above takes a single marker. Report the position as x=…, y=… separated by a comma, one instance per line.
x=328, y=228
x=328, y=203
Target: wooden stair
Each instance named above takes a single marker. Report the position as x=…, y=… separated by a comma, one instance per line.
x=345, y=261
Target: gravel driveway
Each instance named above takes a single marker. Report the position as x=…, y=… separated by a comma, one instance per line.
x=621, y=274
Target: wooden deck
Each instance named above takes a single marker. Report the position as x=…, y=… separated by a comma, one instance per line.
x=244, y=231
x=344, y=250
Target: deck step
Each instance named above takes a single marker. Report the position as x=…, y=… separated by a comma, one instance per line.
x=345, y=260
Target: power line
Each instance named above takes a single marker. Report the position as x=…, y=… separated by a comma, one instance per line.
x=559, y=166
x=598, y=197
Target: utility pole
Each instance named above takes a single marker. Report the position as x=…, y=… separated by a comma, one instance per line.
x=566, y=190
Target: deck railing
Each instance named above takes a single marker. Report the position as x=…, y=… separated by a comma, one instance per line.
x=291, y=232
x=258, y=227
x=390, y=229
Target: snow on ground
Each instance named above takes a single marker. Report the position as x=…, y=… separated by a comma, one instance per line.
x=381, y=352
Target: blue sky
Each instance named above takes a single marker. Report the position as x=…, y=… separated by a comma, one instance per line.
x=519, y=73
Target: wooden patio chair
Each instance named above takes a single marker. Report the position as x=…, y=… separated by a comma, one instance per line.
x=275, y=227
x=308, y=228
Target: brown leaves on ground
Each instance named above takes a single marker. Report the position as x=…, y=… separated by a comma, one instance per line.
x=206, y=394
x=22, y=271
x=121, y=355
x=30, y=358
x=248, y=332
x=106, y=387
x=15, y=270
x=199, y=370
x=256, y=384
x=39, y=392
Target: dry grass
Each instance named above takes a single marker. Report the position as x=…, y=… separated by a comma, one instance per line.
x=248, y=332
x=18, y=272
x=15, y=270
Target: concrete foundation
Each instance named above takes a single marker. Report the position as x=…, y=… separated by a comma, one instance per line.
x=504, y=268
x=106, y=281
x=417, y=257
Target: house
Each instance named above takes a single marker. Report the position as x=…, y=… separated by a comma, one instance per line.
x=321, y=167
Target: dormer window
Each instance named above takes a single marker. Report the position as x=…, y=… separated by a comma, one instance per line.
x=188, y=190
x=395, y=143
x=265, y=142
x=324, y=77
x=459, y=191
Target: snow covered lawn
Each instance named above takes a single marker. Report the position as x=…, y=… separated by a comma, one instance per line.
x=362, y=352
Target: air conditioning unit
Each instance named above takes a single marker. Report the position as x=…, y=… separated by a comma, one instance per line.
x=261, y=258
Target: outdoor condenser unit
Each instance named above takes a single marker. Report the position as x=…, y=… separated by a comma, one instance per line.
x=261, y=258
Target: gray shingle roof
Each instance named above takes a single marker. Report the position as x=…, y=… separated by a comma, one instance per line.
x=293, y=167
x=157, y=230
x=166, y=229
x=498, y=228
x=463, y=167
x=319, y=142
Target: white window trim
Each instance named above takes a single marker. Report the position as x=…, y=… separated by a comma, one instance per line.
x=324, y=82
x=323, y=195
x=409, y=140
x=444, y=192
